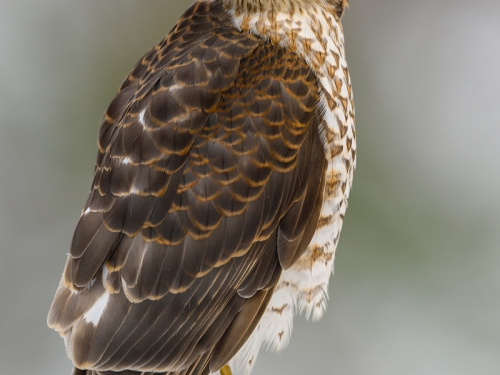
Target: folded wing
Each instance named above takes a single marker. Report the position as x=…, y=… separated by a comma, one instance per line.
x=208, y=183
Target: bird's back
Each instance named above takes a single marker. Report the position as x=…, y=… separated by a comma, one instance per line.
x=210, y=181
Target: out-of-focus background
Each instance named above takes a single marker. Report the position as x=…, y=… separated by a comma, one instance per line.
x=417, y=282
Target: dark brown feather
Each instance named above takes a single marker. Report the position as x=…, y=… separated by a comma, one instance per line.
x=240, y=329
x=208, y=183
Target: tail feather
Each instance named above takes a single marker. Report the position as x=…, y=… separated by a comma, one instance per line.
x=199, y=367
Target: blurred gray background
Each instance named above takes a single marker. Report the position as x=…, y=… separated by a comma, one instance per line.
x=417, y=283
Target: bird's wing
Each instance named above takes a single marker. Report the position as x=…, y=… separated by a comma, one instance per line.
x=208, y=183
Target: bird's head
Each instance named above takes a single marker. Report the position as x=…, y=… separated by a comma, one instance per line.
x=288, y=6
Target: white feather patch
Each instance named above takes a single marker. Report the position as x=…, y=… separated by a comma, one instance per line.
x=94, y=314
x=141, y=117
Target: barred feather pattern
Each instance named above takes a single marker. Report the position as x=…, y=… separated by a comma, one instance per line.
x=303, y=289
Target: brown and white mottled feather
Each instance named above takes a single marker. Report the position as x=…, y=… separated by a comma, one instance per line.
x=224, y=166
x=315, y=34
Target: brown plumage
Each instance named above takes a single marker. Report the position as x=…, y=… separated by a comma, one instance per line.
x=208, y=184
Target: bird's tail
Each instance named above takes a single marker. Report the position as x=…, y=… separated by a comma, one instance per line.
x=199, y=367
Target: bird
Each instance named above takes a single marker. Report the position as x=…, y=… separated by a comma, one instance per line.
x=224, y=166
